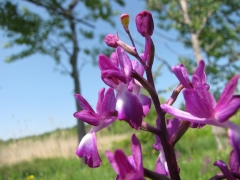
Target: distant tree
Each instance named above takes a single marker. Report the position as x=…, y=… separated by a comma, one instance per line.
x=55, y=29
x=210, y=28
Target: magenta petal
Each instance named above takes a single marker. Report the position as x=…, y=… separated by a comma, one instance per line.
x=114, y=58
x=88, y=149
x=100, y=99
x=184, y=115
x=224, y=113
x=160, y=168
x=109, y=103
x=234, y=136
x=223, y=167
x=83, y=103
x=228, y=91
x=123, y=164
x=146, y=103
x=172, y=126
x=234, y=162
x=124, y=61
x=197, y=105
x=110, y=157
x=88, y=116
x=105, y=63
x=129, y=109
x=182, y=75
x=137, y=154
x=200, y=71
x=114, y=76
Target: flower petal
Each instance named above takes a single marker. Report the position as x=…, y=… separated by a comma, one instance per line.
x=110, y=157
x=146, y=103
x=83, y=103
x=223, y=167
x=88, y=149
x=124, y=61
x=114, y=58
x=197, y=105
x=188, y=117
x=172, y=126
x=105, y=63
x=234, y=162
x=223, y=113
x=160, y=165
x=108, y=103
x=112, y=77
x=129, y=109
x=200, y=71
x=234, y=136
x=123, y=164
x=182, y=75
x=137, y=154
x=228, y=92
x=88, y=116
x=100, y=99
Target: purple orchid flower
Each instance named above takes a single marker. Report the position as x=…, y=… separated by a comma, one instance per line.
x=131, y=105
x=128, y=168
x=161, y=164
x=182, y=75
x=99, y=120
x=202, y=107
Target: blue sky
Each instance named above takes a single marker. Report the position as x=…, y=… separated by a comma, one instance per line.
x=36, y=98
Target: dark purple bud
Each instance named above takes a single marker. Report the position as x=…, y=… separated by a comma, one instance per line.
x=111, y=40
x=144, y=23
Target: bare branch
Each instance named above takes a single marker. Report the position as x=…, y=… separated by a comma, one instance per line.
x=63, y=12
x=211, y=46
x=204, y=21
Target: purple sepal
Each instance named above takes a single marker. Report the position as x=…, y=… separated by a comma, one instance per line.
x=234, y=162
x=146, y=103
x=88, y=116
x=182, y=75
x=223, y=167
x=234, y=137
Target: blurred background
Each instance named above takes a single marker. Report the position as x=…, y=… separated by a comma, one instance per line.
x=49, y=52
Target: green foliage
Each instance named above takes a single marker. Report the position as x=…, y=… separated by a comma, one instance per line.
x=51, y=29
x=196, y=153
x=216, y=26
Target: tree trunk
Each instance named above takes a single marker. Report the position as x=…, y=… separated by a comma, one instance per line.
x=219, y=133
x=194, y=35
x=77, y=90
x=73, y=61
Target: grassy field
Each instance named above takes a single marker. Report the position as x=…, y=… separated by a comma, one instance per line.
x=52, y=155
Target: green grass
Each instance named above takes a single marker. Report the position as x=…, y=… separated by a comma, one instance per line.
x=196, y=153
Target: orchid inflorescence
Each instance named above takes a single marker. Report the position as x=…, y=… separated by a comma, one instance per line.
x=123, y=101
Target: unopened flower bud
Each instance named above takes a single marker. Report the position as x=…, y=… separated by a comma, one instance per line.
x=111, y=40
x=144, y=23
x=125, y=21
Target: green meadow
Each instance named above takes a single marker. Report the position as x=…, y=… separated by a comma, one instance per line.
x=52, y=155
